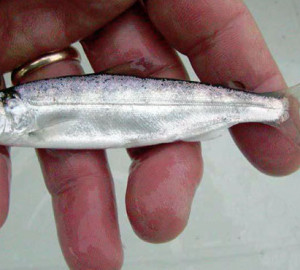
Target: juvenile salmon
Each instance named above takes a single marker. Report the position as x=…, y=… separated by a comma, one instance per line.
x=108, y=111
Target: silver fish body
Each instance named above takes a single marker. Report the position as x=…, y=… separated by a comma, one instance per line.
x=109, y=111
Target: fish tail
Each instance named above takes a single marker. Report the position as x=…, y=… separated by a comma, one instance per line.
x=290, y=127
x=294, y=91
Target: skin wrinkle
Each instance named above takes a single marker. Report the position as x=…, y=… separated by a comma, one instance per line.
x=71, y=183
x=96, y=6
x=219, y=54
x=26, y=18
x=93, y=8
x=17, y=48
x=205, y=43
x=87, y=243
x=39, y=38
x=148, y=218
x=143, y=214
x=235, y=72
x=187, y=18
x=67, y=183
x=83, y=245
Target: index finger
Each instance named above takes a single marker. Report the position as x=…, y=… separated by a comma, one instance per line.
x=226, y=47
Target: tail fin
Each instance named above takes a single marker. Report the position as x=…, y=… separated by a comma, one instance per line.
x=291, y=127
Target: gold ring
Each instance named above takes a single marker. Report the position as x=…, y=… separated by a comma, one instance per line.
x=69, y=53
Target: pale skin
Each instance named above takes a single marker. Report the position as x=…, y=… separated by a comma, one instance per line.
x=224, y=46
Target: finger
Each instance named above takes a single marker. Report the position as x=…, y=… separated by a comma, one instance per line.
x=5, y=168
x=225, y=47
x=31, y=28
x=83, y=197
x=163, y=178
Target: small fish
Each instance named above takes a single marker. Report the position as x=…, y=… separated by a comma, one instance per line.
x=98, y=111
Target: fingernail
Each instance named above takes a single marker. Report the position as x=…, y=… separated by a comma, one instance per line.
x=236, y=85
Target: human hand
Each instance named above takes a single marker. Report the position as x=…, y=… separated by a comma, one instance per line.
x=224, y=47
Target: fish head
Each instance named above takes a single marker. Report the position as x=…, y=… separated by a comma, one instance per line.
x=16, y=120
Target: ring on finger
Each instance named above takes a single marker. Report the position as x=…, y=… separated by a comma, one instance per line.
x=69, y=53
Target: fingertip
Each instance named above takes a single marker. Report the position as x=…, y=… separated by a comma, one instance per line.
x=159, y=226
x=94, y=258
x=266, y=149
x=160, y=191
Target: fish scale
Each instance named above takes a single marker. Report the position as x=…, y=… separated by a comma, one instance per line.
x=98, y=111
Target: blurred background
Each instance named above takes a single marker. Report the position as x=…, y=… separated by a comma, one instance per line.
x=240, y=220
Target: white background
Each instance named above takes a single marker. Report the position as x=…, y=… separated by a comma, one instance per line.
x=241, y=219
